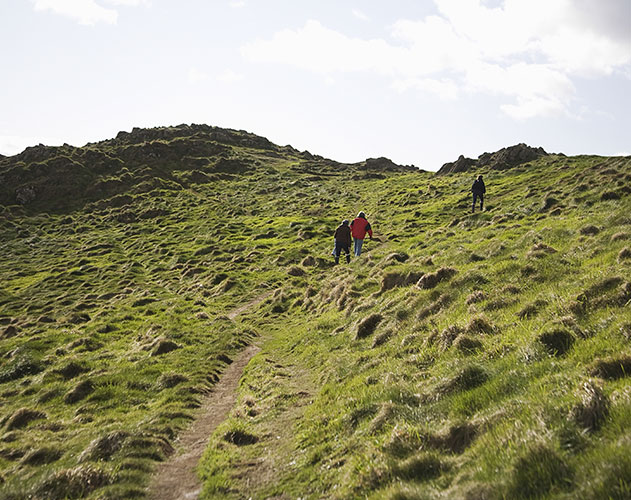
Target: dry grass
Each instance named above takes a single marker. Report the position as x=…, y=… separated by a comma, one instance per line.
x=366, y=326
x=593, y=409
x=430, y=280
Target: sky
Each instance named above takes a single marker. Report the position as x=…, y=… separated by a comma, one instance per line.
x=418, y=81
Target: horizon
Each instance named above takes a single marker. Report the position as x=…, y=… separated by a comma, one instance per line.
x=346, y=81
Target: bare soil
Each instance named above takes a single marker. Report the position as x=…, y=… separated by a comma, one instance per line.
x=176, y=478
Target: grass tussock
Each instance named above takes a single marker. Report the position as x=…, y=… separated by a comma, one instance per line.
x=611, y=368
x=367, y=326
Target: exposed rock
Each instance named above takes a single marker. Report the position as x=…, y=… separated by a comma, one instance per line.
x=462, y=164
x=385, y=164
x=500, y=160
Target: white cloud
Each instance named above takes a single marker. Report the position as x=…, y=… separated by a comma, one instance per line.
x=237, y=4
x=229, y=76
x=527, y=52
x=360, y=15
x=196, y=76
x=128, y=3
x=85, y=12
x=323, y=50
x=445, y=89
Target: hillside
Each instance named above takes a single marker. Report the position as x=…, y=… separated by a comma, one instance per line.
x=462, y=355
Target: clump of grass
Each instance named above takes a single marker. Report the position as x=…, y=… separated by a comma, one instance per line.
x=589, y=230
x=82, y=390
x=456, y=439
x=367, y=326
x=480, y=324
x=382, y=338
x=397, y=279
x=72, y=483
x=532, y=309
x=384, y=415
x=467, y=345
x=104, y=447
x=168, y=380
x=620, y=236
x=537, y=472
x=612, y=368
x=22, y=417
x=42, y=456
x=557, y=341
x=72, y=369
x=449, y=335
x=19, y=367
x=164, y=346
x=540, y=250
x=420, y=468
x=593, y=409
x=430, y=280
x=624, y=254
x=435, y=307
x=468, y=378
x=240, y=437
x=475, y=297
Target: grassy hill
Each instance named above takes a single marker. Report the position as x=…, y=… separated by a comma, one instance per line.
x=462, y=355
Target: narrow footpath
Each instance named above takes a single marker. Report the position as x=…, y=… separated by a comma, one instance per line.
x=176, y=478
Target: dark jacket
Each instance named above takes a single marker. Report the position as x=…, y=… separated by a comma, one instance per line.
x=478, y=187
x=343, y=234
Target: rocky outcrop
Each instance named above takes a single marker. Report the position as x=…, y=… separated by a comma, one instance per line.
x=462, y=164
x=500, y=160
x=382, y=164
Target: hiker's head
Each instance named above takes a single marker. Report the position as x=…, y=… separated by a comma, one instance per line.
x=362, y=215
x=479, y=177
x=344, y=222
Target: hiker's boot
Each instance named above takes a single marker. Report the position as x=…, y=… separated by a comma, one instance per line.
x=348, y=258
x=337, y=260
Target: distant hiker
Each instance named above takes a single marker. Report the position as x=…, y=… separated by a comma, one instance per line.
x=478, y=189
x=359, y=227
x=342, y=241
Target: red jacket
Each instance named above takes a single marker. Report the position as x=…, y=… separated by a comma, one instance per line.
x=359, y=228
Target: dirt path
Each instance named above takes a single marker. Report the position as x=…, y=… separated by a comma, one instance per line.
x=176, y=479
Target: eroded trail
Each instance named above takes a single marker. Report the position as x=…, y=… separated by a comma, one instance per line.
x=176, y=478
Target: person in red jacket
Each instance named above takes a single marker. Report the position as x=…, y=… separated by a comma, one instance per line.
x=359, y=227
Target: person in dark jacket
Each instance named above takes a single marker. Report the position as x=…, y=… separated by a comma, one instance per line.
x=359, y=227
x=342, y=241
x=478, y=189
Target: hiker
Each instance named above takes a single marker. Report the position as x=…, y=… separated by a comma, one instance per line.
x=342, y=241
x=478, y=189
x=359, y=227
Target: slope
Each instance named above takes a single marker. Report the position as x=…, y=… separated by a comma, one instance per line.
x=474, y=356
x=471, y=356
x=122, y=262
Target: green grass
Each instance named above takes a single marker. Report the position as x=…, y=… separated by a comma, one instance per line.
x=499, y=380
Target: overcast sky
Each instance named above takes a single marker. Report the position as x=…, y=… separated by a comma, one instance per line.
x=418, y=81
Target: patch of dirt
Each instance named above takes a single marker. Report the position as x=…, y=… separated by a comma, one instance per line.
x=176, y=478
